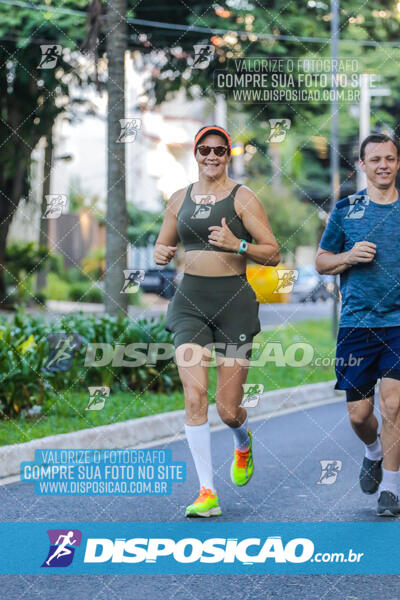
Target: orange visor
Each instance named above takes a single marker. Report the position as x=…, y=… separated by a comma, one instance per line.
x=212, y=129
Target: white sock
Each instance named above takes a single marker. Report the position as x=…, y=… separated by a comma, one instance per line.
x=390, y=482
x=374, y=451
x=199, y=440
x=240, y=436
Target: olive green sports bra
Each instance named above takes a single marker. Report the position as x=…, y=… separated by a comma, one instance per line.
x=194, y=219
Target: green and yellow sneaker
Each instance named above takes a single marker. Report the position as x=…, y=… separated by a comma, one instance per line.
x=242, y=466
x=206, y=505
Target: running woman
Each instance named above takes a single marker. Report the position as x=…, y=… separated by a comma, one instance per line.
x=361, y=242
x=216, y=219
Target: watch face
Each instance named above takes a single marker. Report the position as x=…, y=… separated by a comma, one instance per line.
x=243, y=245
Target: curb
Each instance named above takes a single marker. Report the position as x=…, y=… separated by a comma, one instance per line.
x=129, y=434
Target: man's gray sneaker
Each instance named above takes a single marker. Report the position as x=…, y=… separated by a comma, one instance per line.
x=370, y=475
x=388, y=505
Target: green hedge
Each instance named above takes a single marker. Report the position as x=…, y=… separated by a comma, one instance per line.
x=82, y=292
x=24, y=351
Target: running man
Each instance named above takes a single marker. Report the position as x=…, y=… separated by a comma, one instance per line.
x=62, y=549
x=361, y=243
x=216, y=220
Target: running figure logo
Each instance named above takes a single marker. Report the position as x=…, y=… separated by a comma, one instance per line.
x=98, y=397
x=62, y=348
x=54, y=205
x=201, y=212
x=203, y=202
x=251, y=394
x=203, y=55
x=329, y=471
x=62, y=547
x=50, y=55
x=133, y=278
x=286, y=280
x=129, y=129
x=357, y=206
x=279, y=129
x=205, y=199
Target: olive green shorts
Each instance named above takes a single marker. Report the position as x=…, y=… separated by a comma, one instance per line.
x=220, y=312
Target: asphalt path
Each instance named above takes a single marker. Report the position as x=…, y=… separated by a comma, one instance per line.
x=282, y=314
x=287, y=452
x=269, y=314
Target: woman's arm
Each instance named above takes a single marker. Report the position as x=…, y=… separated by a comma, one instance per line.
x=165, y=245
x=254, y=217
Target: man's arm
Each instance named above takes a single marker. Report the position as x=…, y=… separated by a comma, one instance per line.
x=329, y=263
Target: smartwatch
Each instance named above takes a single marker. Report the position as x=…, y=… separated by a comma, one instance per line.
x=243, y=247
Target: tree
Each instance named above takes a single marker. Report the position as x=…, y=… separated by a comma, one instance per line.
x=366, y=22
x=116, y=245
x=31, y=97
x=44, y=224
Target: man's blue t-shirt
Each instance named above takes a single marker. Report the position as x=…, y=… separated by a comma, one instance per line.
x=370, y=291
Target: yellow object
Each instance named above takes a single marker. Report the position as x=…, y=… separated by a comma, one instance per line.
x=29, y=344
x=265, y=282
x=237, y=149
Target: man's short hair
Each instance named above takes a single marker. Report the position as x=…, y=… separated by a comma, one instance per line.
x=378, y=138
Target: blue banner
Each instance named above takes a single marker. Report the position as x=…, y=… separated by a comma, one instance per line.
x=200, y=546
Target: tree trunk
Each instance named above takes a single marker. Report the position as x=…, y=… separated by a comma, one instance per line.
x=44, y=223
x=5, y=220
x=12, y=189
x=116, y=226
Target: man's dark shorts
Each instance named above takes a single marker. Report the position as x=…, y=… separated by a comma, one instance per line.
x=364, y=355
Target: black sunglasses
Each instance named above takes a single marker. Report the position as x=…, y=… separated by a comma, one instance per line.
x=218, y=150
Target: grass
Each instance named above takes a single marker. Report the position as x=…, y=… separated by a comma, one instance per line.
x=65, y=416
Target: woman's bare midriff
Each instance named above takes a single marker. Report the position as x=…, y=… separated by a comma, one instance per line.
x=214, y=264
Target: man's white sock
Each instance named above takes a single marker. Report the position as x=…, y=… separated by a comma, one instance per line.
x=240, y=436
x=374, y=451
x=390, y=482
x=199, y=440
